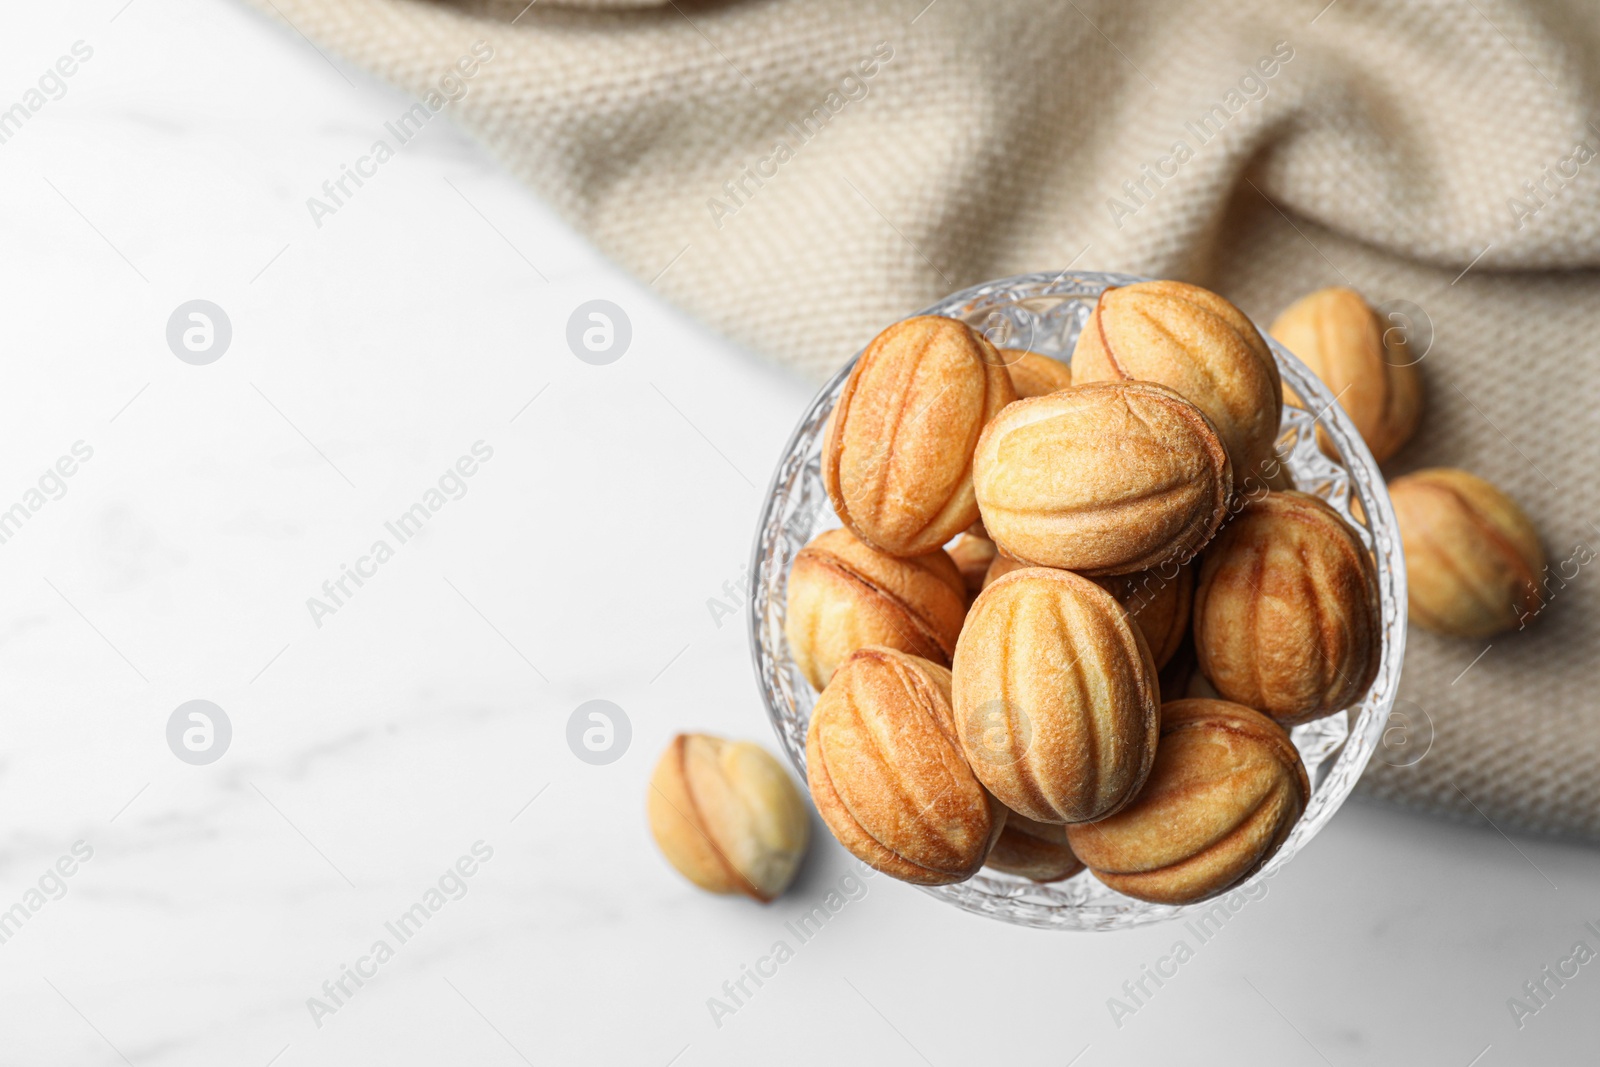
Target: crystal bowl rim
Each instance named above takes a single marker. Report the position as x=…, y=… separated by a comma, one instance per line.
x=1344, y=762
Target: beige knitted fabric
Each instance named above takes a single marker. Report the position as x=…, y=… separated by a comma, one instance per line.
x=799, y=173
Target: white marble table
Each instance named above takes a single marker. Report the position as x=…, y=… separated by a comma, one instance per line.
x=375, y=746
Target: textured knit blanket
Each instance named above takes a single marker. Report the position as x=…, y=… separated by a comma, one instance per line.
x=761, y=159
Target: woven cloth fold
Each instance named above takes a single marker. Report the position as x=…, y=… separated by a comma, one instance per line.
x=762, y=159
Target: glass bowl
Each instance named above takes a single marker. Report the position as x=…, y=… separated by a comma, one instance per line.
x=1043, y=313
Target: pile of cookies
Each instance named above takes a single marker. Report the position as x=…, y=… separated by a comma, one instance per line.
x=1125, y=531
x=1034, y=557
